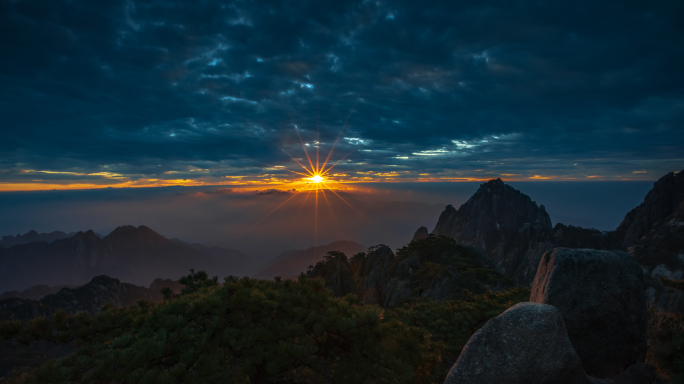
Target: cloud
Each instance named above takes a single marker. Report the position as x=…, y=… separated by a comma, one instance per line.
x=157, y=90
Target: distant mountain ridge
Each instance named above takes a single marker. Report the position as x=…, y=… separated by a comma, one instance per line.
x=293, y=262
x=34, y=237
x=136, y=255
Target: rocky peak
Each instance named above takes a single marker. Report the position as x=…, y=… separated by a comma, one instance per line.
x=499, y=221
x=421, y=233
x=495, y=210
x=141, y=234
x=87, y=236
x=662, y=201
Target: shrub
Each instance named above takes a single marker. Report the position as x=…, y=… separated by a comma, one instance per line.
x=247, y=330
x=666, y=344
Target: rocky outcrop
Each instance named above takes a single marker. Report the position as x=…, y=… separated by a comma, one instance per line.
x=335, y=270
x=434, y=268
x=662, y=201
x=661, y=250
x=504, y=224
x=421, y=233
x=601, y=298
x=663, y=296
x=23, y=309
x=654, y=235
x=514, y=232
x=138, y=255
x=101, y=290
x=585, y=323
x=89, y=297
x=526, y=344
x=376, y=274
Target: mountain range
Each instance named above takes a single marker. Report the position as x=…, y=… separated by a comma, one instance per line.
x=134, y=255
x=33, y=237
x=501, y=222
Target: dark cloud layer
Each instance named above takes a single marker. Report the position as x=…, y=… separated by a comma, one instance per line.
x=126, y=90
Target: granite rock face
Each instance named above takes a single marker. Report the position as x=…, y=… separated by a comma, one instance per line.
x=653, y=233
x=663, y=200
x=600, y=295
x=376, y=272
x=526, y=344
x=504, y=224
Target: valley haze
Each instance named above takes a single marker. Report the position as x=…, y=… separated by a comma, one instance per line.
x=225, y=217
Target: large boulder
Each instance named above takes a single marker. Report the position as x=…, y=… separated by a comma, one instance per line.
x=600, y=295
x=526, y=344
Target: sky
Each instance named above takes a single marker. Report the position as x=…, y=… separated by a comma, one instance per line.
x=158, y=93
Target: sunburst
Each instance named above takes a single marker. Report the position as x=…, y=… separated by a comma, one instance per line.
x=316, y=178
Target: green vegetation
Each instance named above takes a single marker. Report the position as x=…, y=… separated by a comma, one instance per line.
x=243, y=331
x=452, y=323
x=666, y=344
x=435, y=256
x=256, y=331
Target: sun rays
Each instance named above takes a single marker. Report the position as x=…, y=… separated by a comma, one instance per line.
x=316, y=178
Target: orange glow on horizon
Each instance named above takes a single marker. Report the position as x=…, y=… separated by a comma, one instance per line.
x=255, y=182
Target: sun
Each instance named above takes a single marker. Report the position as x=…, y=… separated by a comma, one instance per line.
x=318, y=178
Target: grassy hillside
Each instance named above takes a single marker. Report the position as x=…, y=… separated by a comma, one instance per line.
x=256, y=331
